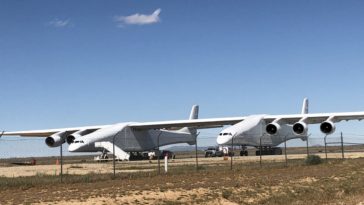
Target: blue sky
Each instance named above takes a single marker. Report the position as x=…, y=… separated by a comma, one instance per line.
x=68, y=63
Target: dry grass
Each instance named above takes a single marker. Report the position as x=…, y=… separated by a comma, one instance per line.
x=335, y=182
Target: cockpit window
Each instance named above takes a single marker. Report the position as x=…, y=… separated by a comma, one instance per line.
x=79, y=141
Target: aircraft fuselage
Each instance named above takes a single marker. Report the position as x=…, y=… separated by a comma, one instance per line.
x=252, y=130
x=130, y=140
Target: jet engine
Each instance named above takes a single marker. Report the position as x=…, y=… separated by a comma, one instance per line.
x=71, y=138
x=272, y=128
x=300, y=128
x=56, y=139
x=327, y=127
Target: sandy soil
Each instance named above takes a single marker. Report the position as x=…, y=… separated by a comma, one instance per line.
x=336, y=182
x=145, y=166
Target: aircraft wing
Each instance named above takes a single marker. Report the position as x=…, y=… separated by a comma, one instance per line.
x=203, y=123
x=49, y=132
x=316, y=118
x=197, y=123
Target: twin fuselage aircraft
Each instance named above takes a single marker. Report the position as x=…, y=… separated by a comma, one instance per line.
x=266, y=131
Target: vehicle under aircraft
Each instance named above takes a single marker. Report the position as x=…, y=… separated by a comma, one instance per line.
x=270, y=130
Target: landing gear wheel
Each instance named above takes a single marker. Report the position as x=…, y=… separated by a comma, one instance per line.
x=243, y=153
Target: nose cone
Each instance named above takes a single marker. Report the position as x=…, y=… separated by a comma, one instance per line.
x=223, y=139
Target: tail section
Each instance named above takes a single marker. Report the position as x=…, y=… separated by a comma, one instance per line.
x=193, y=116
x=305, y=106
x=157, y=12
x=304, y=111
x=194, y=112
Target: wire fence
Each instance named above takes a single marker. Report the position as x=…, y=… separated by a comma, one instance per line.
x=329, y=147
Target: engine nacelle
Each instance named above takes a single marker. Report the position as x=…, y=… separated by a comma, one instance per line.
x=71, y=138
x=56, y=139
x=327, y=127
x=272, y=128
x=300, y=128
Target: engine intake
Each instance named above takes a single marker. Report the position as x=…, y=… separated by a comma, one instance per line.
x=327, y=127
x=272, y=128
x=300, y=128
x=71, y=138
x=56, y=139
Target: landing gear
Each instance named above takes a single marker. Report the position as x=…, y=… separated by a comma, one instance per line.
x=269, y=151
x=243, y=151
x=104, y=154
x=138, y=156
x=103, y=157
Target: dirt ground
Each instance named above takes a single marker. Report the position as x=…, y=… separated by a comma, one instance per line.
x=335, y=182
x=79, y=167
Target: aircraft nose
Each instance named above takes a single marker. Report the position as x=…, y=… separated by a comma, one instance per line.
x=223, y=139
x=72, y=147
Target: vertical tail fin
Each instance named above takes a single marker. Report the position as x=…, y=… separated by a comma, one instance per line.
x=193, y=116
x=194, y=112
x=305, y=106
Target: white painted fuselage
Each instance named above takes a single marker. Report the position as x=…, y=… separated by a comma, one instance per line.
x=251, y=132
x=131, y=140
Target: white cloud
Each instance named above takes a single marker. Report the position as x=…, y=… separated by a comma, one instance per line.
x=139, y=19
x=59, y=23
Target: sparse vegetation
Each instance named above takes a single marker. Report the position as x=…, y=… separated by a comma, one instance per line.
x=313, y=160
x=169, y=202
x=248, y=183
x=226, y=193
x=75, y=167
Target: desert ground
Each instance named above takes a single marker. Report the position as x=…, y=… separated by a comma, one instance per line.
x=82, y=167
x=336, y=181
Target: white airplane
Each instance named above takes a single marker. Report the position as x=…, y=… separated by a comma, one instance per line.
x=128, y=137
x=268, y=131
x=145, y=136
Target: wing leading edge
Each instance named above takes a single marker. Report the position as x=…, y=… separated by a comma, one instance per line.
x=314, y=118
x=196, y=123
x=48, y=132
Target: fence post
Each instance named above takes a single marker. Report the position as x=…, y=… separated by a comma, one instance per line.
x=113, y=156
x=61, y=153
x=159, y=153
x=165, y=163
x=308, y=152
x=325, y=147
x=285, y=149
x=232, y=151
x=196, y=154
x=260, y=151
x=342, y=146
